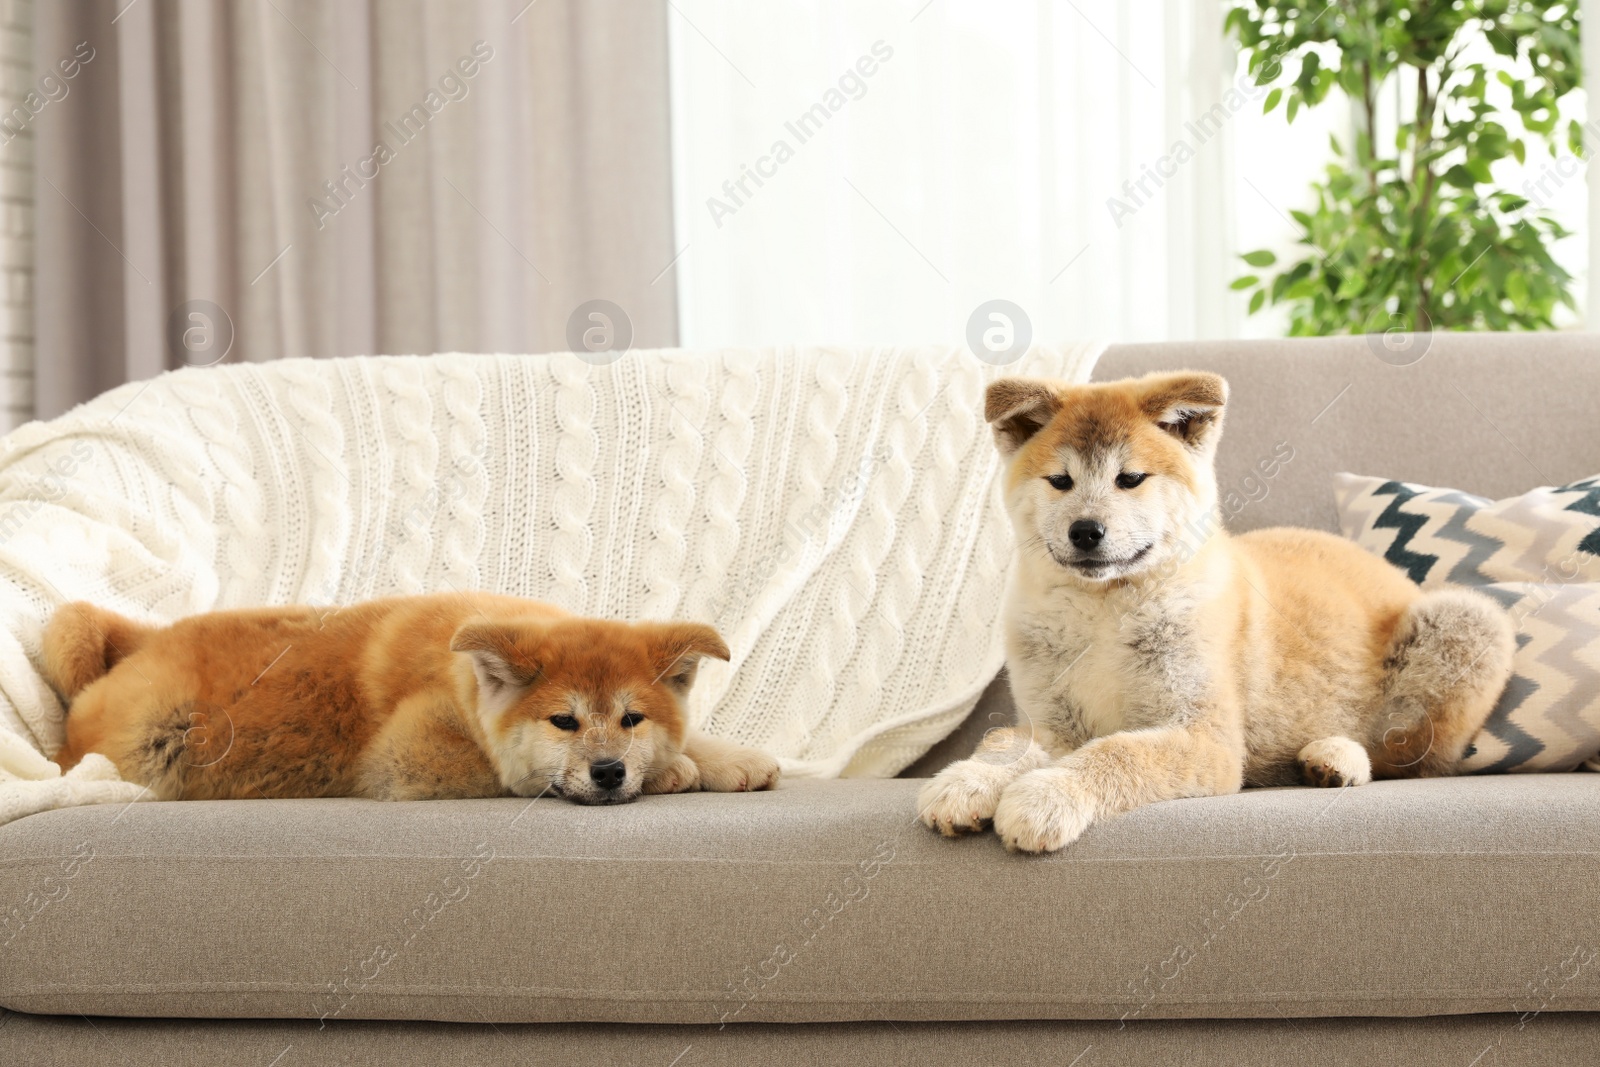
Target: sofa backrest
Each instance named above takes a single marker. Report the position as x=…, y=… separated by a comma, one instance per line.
x=1491, y=414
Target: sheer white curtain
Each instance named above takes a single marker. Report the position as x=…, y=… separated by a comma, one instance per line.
x=1101, y=165
x=1077, y=159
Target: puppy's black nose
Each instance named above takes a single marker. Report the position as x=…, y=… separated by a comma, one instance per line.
x=607, y=773
x=1085, y=534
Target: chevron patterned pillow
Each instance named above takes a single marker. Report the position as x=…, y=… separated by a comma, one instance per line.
x=1539, y=555
x=1548, y=718
x=1444, y=536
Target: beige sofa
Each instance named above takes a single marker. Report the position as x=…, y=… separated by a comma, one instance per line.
x=1446, y=922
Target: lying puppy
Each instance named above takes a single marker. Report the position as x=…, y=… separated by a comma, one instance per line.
x=1152, y=656
x=411, y=698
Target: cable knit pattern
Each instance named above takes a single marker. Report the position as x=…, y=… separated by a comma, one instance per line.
x=812, y=512
x=725, y=484
x=308, y=414
x=576, y=448
x=415, y=505
x=832, y=511
x=687, y=401
x=214, y=421
x=464, y=485
x=885, y=568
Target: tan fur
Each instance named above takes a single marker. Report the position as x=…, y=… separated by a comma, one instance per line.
x=1172, y=660
x=83, y=642
x=428, y=697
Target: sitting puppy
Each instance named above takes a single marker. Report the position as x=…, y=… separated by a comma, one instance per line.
x=1152, y=656
x=411, y=698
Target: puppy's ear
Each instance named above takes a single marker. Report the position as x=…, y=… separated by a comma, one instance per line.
x=1187, y=404
x=1018, y=408
x=502, y=660
x=679, y=648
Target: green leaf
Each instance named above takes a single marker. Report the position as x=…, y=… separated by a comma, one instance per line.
x=1272, y=101
x=1395, y=225
x=1352, y=284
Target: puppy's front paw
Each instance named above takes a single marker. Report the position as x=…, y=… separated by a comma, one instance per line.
x=682, y=775
x=962, y=797
x=738, y=770
x=1334, y=761
x=1042, y=811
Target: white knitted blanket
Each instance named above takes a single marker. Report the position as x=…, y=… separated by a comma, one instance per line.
x=833, y=512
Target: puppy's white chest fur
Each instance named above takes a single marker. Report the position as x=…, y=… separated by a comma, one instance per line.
x=1085, y=664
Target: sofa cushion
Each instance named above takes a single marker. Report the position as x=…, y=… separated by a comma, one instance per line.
x=1548, y=716
x=1538, y=555
x=1447, y=537
x=820, y=901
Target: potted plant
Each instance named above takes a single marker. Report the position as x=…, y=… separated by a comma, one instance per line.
x=1413, y=231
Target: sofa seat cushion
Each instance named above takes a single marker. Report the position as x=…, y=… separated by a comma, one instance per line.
x=820, y=901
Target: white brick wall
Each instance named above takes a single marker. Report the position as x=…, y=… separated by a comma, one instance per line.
x=16, y=221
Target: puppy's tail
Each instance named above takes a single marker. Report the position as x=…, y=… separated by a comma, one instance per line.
x=82, y=643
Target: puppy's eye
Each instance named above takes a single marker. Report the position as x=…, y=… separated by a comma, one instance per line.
x=563, y=722
x=632, y=719
x=1062, y=482
x=1129, y=480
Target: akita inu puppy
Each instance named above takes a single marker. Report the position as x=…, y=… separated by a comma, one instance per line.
x=410, y=698
x=1152, y=656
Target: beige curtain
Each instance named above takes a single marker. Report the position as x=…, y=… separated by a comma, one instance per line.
x=264, y=178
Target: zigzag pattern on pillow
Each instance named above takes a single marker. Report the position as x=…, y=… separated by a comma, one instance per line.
x=1447, y=537
x=1538, y=555
x=1586, y=504
x=1547, y=717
